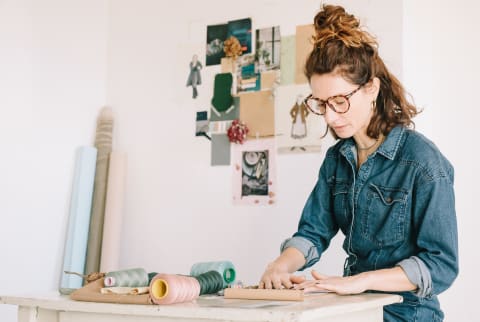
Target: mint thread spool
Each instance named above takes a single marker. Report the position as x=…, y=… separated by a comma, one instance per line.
x=135, y=277
x=225, y=268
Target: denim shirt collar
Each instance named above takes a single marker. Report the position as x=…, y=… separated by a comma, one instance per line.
x=389, y=148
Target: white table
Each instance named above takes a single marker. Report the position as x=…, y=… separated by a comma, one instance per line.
x=316, y=307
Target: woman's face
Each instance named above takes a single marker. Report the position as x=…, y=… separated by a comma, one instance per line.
x=355, y=121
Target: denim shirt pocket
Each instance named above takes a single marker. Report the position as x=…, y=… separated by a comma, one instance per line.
x=383, y=222
x=339, y=190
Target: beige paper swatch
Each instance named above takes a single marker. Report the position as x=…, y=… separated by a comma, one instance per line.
x=304, y=46
x=267, y=79
x=258, y=113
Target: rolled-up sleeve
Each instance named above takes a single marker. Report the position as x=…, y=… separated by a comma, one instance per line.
x=435, y=266
x=306, y=247
x=418, y=273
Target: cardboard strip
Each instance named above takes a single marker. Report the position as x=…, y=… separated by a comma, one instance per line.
x=263, y=294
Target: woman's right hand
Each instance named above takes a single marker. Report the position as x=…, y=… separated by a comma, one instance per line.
x=277, y=276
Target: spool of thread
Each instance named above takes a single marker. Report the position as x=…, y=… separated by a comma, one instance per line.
x=135, y=277
x=225, y=268
x=170, y=288
x=210, y=282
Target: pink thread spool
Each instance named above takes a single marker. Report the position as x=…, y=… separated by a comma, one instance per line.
x=170, y=288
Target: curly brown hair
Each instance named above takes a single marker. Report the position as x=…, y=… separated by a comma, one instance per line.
x=340, y=45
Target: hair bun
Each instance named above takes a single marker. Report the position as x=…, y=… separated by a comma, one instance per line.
x=333, y=23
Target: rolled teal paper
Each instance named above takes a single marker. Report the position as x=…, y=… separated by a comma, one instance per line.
x=79, y=219
x=225, y=268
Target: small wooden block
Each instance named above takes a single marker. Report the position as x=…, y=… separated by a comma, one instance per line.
x=263, y=294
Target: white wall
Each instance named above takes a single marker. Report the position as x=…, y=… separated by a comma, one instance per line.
x=52, y=83
x=444, y=73
x=56, y=72
x=176, y=200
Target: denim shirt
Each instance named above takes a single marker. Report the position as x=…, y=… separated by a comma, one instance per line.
x=397, y=209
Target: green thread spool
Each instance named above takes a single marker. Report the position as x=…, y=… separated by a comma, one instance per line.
x=225, y=268
x=135, y=277
x=210, y=282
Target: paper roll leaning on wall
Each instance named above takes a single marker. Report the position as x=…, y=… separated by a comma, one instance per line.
x=112, y=226
x=103, y=143
x=79, y=219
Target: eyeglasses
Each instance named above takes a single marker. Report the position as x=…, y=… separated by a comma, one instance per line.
x=338, y=103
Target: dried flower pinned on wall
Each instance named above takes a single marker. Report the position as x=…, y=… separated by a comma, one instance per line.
x=232, y=47
x=237, y=132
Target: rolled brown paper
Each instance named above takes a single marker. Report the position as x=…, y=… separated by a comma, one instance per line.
x=112, y=226
x=92, y=293
x=103, y=143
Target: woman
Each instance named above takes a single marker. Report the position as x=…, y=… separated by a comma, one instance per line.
x=384, y=185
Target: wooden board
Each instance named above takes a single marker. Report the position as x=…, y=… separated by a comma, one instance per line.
x=263, y=294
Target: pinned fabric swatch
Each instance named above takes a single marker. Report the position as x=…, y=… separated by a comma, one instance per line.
x=229, y=115
x=257, y=112
x=287, y=60
x=268, y=79
x=220, y=149
x=304, y=46
x=222, y=98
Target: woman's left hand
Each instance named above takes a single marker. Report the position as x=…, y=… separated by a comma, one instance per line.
x=340, y=285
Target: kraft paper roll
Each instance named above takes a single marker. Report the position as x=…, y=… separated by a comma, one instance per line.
x=103, y=143
x=79, y=219
x=92, y=293
x=225, y=268
x=112, y=226
x=135, y=277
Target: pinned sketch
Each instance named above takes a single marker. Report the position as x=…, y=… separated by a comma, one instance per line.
x=299, y=113
x=254, y=177
x=194, y=77
x=297, y=130
x=192, y=81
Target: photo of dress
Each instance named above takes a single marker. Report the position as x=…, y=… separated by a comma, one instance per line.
x=194, y=78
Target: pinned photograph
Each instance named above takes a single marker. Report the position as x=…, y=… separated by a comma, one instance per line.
x=254, y=176
x=267, y=49
x=216, y=35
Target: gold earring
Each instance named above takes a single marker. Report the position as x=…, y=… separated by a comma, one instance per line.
x=374, y=104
